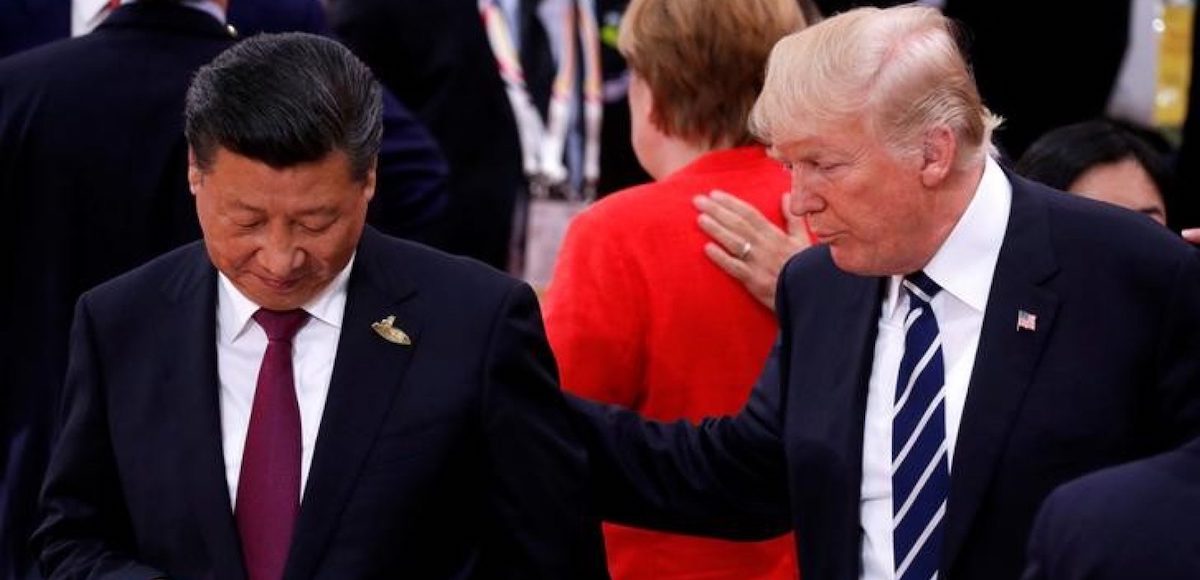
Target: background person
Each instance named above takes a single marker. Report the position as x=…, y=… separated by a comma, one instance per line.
x=635, y=313
x=1101, y=160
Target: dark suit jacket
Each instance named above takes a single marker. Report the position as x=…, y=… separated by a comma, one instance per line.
x=1109, y=374
x=1183, y=205
x=25, y=24
x=450, y=458
x=93, y=180
x=1133, y=521
x=434, y=56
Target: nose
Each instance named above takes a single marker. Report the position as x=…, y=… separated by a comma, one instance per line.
x=279, y=255
x=805, y=197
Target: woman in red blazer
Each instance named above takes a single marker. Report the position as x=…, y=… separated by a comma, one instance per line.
x=636, y=313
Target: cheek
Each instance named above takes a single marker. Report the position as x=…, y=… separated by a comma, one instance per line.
x=231, y=251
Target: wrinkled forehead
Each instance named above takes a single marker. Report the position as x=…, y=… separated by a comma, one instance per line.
x=839, y=135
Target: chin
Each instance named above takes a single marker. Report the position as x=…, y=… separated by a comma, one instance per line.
x=852, y=263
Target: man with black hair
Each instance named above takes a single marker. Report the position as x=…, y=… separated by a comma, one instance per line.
x=298, y=395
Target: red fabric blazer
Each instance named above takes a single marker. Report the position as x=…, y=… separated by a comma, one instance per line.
x=638, y=316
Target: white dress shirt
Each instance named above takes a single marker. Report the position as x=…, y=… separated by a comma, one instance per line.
x=963, y=267
x=86, y=15
x=241, y=344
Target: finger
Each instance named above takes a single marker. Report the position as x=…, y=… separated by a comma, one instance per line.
x=722, y=215
x=727, y=263
x=1192, y=235
x=730, y=241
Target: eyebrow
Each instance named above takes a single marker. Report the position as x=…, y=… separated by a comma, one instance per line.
x=321, y=211
x=238, y=205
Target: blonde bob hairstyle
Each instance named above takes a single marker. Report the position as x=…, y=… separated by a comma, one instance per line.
x=900, y=68
x=704, y=61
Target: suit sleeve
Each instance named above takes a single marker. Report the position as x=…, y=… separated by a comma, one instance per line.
x=726, y=477
x=85, y=530
x=1177, y=397
x=596, y=314
x=1037, y=565
x=541, y=520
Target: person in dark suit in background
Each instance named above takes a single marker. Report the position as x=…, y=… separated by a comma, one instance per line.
x=1185, y=203
x=409, y=397
x=28, y=23
x=1132, y=521
x=434, y=56
x=93, y=175
x=962, y=342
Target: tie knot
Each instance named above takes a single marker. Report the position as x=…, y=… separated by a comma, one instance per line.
x=921, y=287
x=281, y=325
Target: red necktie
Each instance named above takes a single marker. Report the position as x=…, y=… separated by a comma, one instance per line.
x=268, y=492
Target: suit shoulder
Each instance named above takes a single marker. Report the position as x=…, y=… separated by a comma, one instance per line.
x=433, y=269
x=1101, y=230
x=1133, y=488
x=135, y=287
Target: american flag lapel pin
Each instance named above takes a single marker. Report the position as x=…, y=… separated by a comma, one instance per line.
x=1026, y=321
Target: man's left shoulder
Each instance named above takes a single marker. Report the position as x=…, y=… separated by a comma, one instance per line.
x=1099, y=232
x=431, y=270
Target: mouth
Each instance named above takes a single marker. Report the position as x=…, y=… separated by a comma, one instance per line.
x=824, y=237
x=279, y=285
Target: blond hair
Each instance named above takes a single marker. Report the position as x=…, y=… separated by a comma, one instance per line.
x=704, y=61
x=901, y=67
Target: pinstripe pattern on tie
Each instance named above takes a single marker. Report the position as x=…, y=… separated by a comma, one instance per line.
x=920, y=466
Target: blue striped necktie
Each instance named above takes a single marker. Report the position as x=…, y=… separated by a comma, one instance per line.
x=920, y=465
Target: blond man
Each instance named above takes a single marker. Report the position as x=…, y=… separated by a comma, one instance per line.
x=961, y=342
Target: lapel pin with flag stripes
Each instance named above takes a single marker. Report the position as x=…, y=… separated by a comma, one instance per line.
x=1026, y=321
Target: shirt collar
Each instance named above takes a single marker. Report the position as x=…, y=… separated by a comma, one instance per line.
x=966, y=262
x=234, y=309
x=207, y=6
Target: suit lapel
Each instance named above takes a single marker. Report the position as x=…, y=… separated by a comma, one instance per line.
x=1006, y=359
x=831, y=411
x=366, y=376
x=195, y=404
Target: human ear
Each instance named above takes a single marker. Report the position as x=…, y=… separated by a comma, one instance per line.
x=938, y=152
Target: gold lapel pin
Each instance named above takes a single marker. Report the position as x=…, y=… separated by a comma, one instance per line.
x=386, y=329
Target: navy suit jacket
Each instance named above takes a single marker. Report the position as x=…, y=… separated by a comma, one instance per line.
x=450, y=458
x=93, y=174
x=1137, y=520
x=25, y=24
x=1109, y=374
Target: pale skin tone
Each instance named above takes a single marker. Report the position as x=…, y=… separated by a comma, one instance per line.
x=280, y=234
x=658, y=153
x=730, y=222
x=661, y=154
x=1124, y=183
x=881, y=212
